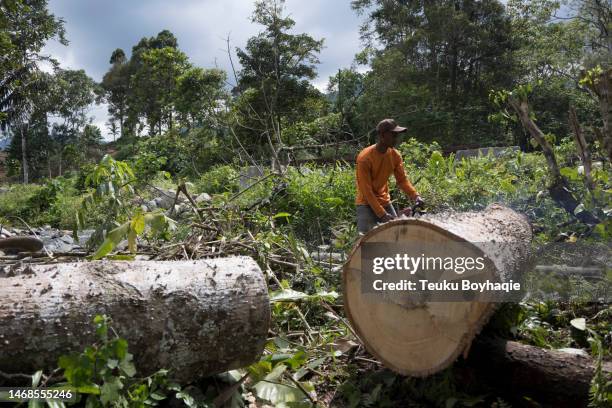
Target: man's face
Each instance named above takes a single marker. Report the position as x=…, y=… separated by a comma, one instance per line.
x=389, y=138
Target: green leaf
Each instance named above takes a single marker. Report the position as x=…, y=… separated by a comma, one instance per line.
x=579, y=323
x=104, y=249
x=259, y=370
x=287, y=295
x=128, y=368
x=579, y=208
x=187, y=399
x=120, y=347
x=132, y=241
x=36, y=378
x=110, y=390
x=55, y=404
x=138, y=223
x=113, y=238
x=278, y=393
x=290, y=295
x=92, y=389
x=282, y=214
x=35, y=404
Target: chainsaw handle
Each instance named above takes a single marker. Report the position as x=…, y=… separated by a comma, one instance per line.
x=415, y=208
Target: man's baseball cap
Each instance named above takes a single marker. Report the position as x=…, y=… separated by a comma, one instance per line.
x=387, y=125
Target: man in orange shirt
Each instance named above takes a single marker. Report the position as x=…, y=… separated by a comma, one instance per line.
x=375, y=164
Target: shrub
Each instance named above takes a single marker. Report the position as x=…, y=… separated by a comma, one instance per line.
x=55, y=203
x=318, y=198
x=219, y=179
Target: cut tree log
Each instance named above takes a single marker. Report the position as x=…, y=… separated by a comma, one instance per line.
x=422, y=338
x=18, y=244
x=195, y=318
x=553, y=377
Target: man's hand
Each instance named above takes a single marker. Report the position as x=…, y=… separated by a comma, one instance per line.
x=387, y=217
x=406, y=211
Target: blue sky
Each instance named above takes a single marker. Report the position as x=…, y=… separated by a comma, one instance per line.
x=96, y=28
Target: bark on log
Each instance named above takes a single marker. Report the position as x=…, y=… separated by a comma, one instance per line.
x=556, y=378
x=21, y=244
x=194, y=317
x=424, y=338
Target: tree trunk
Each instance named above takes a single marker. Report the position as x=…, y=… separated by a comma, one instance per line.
x=582, y=147
x=604, y=94
x=522, y=110
x=559, y=189
x=556, y=378
x=194, y=317
x=24, y=154
x=419, y=338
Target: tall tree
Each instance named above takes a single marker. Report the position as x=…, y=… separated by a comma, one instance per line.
x=276, y=67
x=116, y=86
x=433, y=63
x=199, y=94
x=26, y=26
x=155, y=85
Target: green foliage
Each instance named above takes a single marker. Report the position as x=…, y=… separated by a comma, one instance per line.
x=53, y=203
x=104, y=374
x=422, y=75
x=157, y=222
x=319, y=198
x=219, y=179
x=110, y=185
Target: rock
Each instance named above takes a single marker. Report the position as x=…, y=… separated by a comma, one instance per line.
x=144, y=208
x=202, y=198
x=484, y=151
x=165, y=202
x=67, y=239
x=84, y=236
x=152, y=205
x=249, y=175
x=57, y=245
x=594, y=165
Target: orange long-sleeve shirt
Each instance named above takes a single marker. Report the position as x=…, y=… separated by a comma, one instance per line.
x=373, y=171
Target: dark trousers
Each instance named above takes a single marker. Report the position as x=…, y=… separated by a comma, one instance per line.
x=367, y=219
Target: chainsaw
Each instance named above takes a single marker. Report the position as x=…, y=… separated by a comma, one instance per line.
x=415, y=211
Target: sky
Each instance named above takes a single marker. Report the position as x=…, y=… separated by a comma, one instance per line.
x=96, y=28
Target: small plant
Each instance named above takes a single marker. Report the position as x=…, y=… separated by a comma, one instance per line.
x=110, y=184
x=104, y=374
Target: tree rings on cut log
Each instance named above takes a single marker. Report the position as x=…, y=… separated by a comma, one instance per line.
x=195, y=318
x=421, y=338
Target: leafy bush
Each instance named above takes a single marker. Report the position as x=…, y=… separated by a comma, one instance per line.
x=16, y=201
x=54, y=203
x=104, y=375
x=319, y=198
x=219, y=179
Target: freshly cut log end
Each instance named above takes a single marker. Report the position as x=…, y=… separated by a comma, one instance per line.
x=423, y=338
x=195, y=318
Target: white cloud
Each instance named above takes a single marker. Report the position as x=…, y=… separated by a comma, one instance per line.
x=95, y=29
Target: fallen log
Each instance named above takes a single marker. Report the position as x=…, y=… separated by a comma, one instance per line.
x=29, y=244
x=419, y=338
x=195, y=318
x=552, y=377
